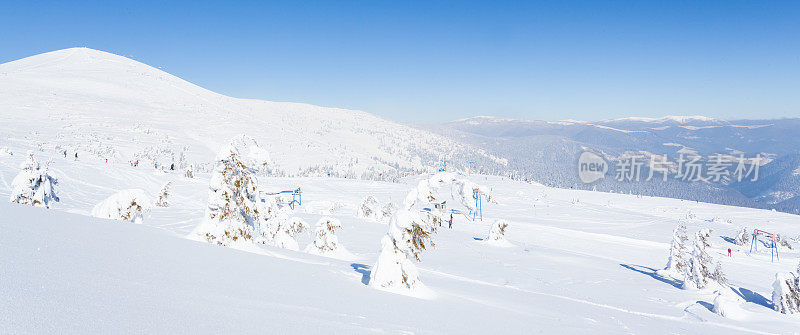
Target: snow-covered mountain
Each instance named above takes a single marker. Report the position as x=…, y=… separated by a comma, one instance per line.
x=546, y=151
x=106, y=106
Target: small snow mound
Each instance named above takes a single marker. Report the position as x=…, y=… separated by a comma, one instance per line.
x=322, y=207
x=729, y=305
x=125, y=205
x=5, y=152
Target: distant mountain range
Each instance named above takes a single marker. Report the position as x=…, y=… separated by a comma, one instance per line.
x=546, y=151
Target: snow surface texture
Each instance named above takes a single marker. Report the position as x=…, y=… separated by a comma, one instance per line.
x=576, y=268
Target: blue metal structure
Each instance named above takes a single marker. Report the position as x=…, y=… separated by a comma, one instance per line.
x=297, y=197
x=478, y=212
x=773, y=245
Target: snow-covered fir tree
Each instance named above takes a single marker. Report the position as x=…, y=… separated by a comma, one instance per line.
x=162, y=200
x=698, y=273
x=678, y=250
x=33, y=185
x=497, y=233
x=325, y=240
x=232, y=211
x=408, y=236
x=786, y=292
x=410, y=231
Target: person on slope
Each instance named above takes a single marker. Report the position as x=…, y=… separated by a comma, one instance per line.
x=450, y=224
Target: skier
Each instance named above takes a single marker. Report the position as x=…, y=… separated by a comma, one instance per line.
x=729, y=252
x=451, y=221
x=172, y=166
x=76, y=155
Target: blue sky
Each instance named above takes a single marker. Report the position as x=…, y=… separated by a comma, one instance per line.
x=437, y=61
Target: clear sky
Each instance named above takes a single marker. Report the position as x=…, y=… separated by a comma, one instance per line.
x=433, y=61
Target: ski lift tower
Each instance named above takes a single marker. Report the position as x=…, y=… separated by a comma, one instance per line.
x=773, y=245
x=477, y=213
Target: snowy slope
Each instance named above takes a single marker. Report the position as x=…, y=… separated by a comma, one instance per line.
x=108, y=106
x=581, y=262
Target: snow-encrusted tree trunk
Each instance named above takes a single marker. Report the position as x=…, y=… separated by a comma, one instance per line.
x=678, y=251
x=698, y=273
x=33, y=185
x=162, y=200
x=232, y=210
x=325, y=240
x=786, y=292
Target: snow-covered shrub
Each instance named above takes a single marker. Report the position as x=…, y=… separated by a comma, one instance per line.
x=189, y=172
x=744, y=236
x=783, y=241
x=678, y=251
x=497, y=234
x=4, y=151
x=786, y=292
x=387, y=211
x=369, y=208
x=326, y=243
x=125, y=205
x=232, y=210
x=33, y=185
x=162, y=200
x=285, y=231
x=698, y=273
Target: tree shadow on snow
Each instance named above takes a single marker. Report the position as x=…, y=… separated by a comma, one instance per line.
x=753, y=297
x=363, y=270
x=652, y=273
x=707, y=305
